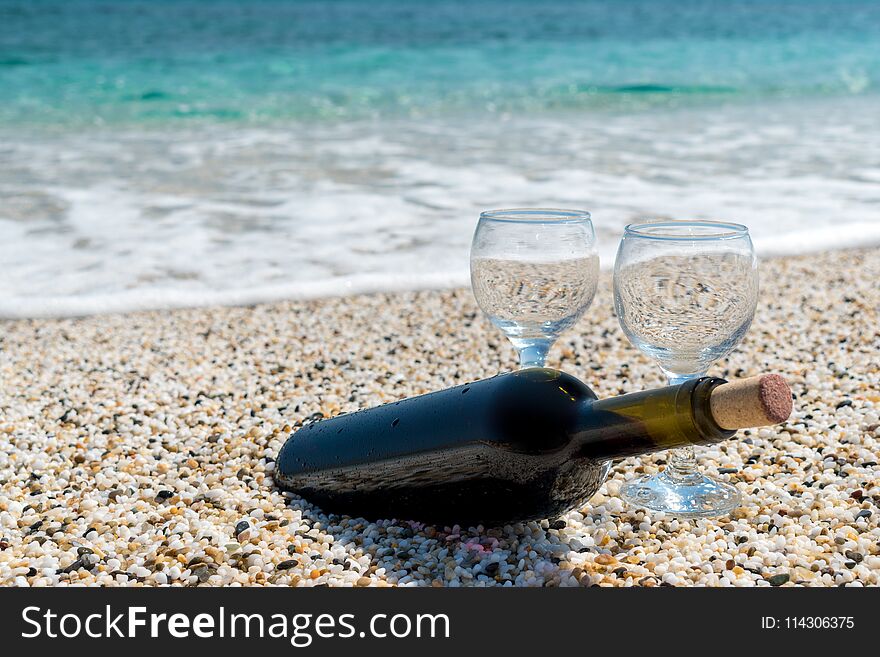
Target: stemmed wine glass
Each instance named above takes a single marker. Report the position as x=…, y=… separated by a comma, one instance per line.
x=534, y=272
x=685, y=294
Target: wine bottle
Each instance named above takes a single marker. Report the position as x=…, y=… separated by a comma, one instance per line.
x=519, y=446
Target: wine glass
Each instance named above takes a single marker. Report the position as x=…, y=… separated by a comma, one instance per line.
x=534, y=272
x=685, y=294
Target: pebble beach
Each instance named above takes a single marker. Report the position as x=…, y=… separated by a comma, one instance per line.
x=138, y=450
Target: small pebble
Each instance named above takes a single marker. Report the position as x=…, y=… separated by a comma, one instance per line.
x=778, y=580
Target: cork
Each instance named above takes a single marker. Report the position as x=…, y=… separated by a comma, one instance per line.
x=754, y=402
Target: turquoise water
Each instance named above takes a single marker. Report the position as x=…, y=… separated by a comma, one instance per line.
x=77, y=62
x=160, y=153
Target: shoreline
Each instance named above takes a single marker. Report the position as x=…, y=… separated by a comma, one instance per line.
x=134, y=302
x=138, y=449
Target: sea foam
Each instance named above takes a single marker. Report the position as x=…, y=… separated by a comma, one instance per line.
x=120, y=220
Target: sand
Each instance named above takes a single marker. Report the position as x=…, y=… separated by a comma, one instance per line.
x=139, y=449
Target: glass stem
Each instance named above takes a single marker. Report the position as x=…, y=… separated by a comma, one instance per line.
x=533, y=354
x=682, y=464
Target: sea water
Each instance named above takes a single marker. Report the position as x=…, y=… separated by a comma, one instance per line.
x=159, y=153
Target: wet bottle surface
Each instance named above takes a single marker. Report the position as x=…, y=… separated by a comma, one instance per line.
x=523, y=445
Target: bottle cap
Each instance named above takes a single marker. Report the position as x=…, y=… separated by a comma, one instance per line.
x=753, y=402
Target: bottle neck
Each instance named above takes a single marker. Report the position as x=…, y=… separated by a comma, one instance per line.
x=649, y=421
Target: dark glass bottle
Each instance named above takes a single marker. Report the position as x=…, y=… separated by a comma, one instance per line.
x=523, y=445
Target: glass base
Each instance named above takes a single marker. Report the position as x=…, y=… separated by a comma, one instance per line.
x=694, y=496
